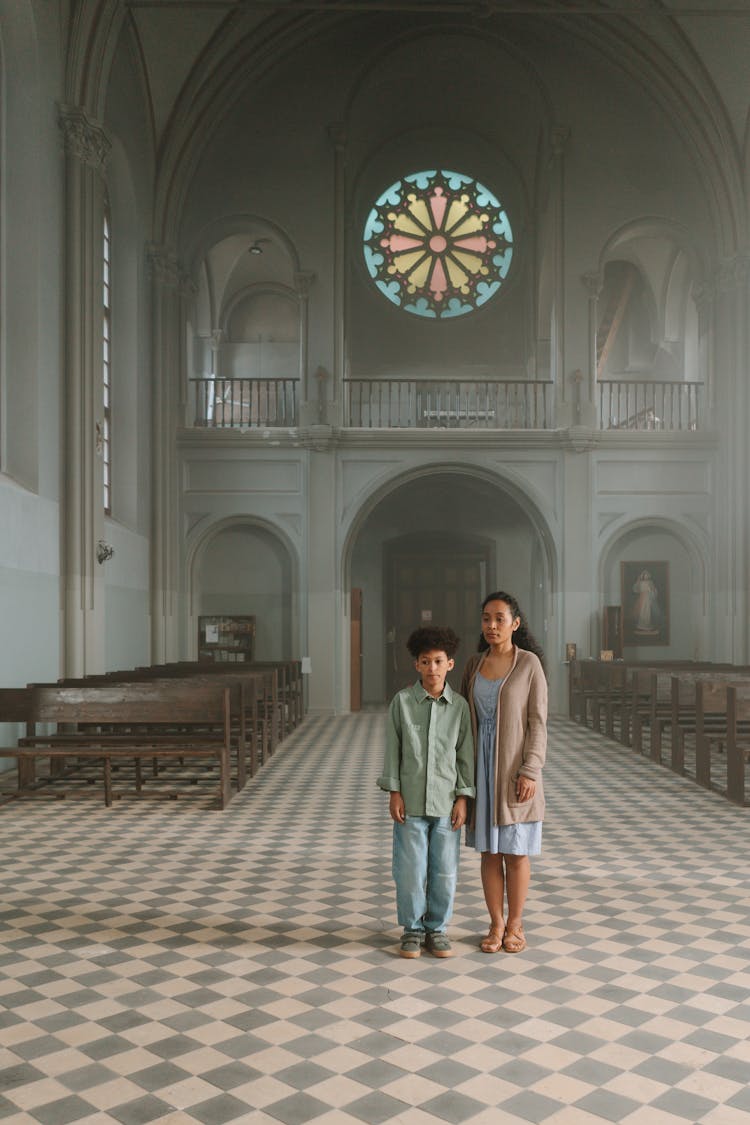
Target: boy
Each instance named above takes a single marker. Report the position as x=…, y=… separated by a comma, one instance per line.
x=429, y=772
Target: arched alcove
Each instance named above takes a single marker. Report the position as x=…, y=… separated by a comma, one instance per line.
x=250, y=324
x=244, y=569
x=426, y=552
x=261, y=333
x=647, y=320
x=664, y=558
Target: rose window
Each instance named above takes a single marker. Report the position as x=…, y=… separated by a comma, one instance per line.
x=438, y=244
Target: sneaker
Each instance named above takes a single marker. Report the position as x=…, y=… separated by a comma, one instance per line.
x=411, y=945
x=438, y=945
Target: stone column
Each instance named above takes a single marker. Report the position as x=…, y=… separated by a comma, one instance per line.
x=169, y=295
x=303, y=280
x=86, y=148
x=215, y=343
x=593, y=285
x=731, y=316
x=558, y=140
x=324, y=597
x=340, y=358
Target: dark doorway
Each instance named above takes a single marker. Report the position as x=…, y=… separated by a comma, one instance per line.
x=432, y=580
x=355, y=670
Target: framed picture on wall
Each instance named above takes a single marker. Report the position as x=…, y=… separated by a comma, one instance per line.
x=645, y=603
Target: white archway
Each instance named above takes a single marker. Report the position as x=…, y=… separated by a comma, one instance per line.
x=258, y=570
x=467, y=517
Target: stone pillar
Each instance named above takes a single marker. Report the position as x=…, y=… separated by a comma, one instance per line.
x=303, y=279
x=324, y=598
x=215, y=342
x=168, y=372
x=340, y=357
x=732, y=421
x=558, y=140
x=86, y=148
x=593, y=284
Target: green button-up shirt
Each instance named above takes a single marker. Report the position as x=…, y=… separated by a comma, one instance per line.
x=429, y=751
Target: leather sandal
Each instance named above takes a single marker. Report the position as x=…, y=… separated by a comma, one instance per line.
x=514, y=940
x=493, y=943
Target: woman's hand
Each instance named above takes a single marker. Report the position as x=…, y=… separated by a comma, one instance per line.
x=525, y=788
x=396, y=808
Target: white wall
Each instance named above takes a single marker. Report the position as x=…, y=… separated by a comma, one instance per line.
x=246, y=570
x=30, y=346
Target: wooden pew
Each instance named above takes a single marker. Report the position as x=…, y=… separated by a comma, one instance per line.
x=284, y=704
x=610, y=699
x=15, y=707
x=738, y=741
x=131, y=721
x=722, y=719
x=262, y=695
x=246, y=692
x=582, y=689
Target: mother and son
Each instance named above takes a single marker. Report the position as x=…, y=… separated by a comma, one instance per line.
x=473, y=758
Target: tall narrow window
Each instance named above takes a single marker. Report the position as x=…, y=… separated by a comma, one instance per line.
x=106, y=436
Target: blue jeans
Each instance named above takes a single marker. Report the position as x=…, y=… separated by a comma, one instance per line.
x=425, y=868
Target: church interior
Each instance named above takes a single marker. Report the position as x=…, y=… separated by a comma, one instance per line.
x=320, y=320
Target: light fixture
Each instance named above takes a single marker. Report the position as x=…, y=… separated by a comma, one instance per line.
x=103, y=552
x=256, y=247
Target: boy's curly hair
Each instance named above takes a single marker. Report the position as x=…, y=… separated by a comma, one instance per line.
x=433, y=638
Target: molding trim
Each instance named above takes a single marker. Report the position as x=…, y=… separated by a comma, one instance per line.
x=84, y=139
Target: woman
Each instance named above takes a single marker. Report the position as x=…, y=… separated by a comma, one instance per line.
x=506, y=688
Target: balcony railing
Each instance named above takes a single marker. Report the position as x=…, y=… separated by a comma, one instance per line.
x=639, y=404
x=522, y=404
x=239, y=404
x=519, y=404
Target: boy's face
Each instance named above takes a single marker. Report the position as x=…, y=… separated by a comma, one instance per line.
x=433, y=667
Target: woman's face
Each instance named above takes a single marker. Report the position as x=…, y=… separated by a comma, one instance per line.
x=498, y=623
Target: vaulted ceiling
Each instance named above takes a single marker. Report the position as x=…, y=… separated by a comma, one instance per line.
x=706, y=40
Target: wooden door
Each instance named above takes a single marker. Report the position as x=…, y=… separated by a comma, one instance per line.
x=432, y=585
x=355, y=647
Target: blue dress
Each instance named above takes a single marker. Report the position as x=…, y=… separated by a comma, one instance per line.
x=511, y=839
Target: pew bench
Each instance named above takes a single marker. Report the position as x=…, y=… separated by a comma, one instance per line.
x=108, y=724
x=723, y=722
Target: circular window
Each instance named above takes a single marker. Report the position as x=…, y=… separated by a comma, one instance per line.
x=438, y=244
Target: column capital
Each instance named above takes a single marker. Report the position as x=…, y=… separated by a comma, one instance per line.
x=592, y=282
x=732, y=274
x=303, y=281
x=84, y=139
x=164, y=265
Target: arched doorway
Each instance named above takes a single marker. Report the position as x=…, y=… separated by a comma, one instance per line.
x=427, y=553
x=244, y=569
x=430, y=580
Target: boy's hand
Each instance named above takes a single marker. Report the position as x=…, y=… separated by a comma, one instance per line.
x=396, y=808
x=458, y=813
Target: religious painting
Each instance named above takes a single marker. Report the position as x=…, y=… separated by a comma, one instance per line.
x=645, y=603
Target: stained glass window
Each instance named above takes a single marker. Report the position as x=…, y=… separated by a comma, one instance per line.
x=438, y=244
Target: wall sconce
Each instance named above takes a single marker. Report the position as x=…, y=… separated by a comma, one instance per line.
x=103, y=551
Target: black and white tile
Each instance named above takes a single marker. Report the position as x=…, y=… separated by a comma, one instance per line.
x=162, y=961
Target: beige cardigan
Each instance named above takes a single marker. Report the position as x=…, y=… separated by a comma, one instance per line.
x=521, y=736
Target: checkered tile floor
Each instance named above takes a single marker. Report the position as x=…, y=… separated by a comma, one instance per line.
x=163, y=962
